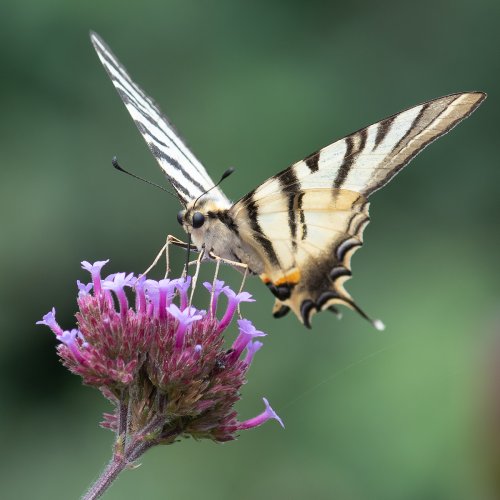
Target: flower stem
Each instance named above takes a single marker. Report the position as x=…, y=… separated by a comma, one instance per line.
x=116, y=465
x=139, y=449
x=125, y=453
x=109, y=474
x=122, y=417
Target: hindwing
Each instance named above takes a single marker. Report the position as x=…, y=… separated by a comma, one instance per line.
x=306, y=272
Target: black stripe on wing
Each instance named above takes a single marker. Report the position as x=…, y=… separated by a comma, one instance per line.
x=291, y=188
x=258, y=234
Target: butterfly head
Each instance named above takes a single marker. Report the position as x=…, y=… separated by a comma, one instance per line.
x=195, y=219
x=198, y=216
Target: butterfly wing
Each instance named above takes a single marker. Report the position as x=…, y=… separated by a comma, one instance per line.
x=307, y=221
x=186, y=174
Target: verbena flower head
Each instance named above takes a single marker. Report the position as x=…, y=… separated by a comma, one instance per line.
x=162, y=362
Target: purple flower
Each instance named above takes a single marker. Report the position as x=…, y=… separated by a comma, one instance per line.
x=163, y=365
x=83, y=289
x=152, y=291
x=95, y=267
x=117, y=285
x=95, y=271
x=215, y=291
x=234, y=301
x=50, y=320
x=165, y=294
x=252, y=348
x=267, y=414
x=247, y=333
x=140, y=294
x=118, y=281
x=182, y=285
x=70, y=339
x=184, y=318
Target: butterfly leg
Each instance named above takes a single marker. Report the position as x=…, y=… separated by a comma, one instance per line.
x=171, y=240
x=231, y=263
x=157, y=258
x=217, y=265
x=195, y=276
x=245, y=274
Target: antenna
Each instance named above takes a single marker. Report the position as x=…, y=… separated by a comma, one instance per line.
x=226, y=174
x=115, y=163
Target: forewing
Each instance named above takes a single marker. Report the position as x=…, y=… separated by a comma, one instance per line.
x=186, y=174
x=368, y=159
x=308, y=220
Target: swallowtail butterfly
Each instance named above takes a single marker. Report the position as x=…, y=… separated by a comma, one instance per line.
x=299, y=229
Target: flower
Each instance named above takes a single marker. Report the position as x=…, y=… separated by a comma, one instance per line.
x=182, y=285
x=50, y=320
x=252, y=348
x=95, y=271
x=267, y=414
x=215, y=290
x=117, y=284
x=233, y=301
x=83, y=289
x=71, y=339
x=184, y=318
x=163, y=365
x=247, y=333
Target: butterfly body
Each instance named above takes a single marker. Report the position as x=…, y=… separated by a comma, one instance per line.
x=299, y=229
x=220, y=234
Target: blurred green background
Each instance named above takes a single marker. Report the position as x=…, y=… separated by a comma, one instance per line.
x=409, y=413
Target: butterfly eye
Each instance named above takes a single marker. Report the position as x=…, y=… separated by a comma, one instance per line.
x=180, y=217
x=198, y=220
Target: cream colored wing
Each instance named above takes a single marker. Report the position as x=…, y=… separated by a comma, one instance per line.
x=307, y=221
x=306, y=274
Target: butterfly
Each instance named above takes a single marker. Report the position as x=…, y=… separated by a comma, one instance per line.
x=299, y=229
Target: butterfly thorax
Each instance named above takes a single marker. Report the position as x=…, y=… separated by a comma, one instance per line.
x=218, y=233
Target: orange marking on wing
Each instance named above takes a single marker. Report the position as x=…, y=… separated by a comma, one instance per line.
x=265, y=278
x=291, y=278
